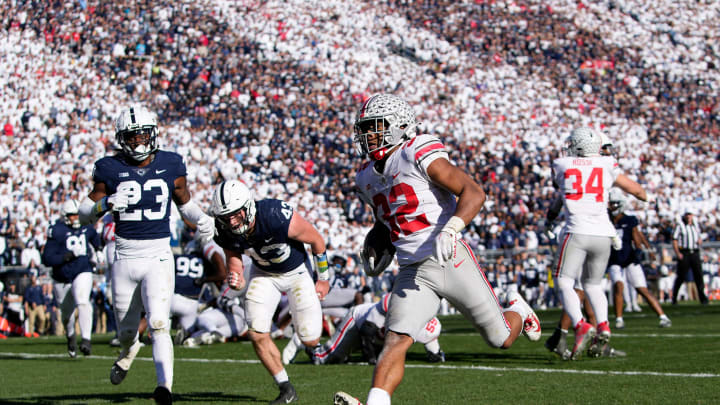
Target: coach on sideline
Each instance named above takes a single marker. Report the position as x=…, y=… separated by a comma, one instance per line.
x=686, y=243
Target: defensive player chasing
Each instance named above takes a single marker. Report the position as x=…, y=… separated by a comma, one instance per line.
x=273, y=235
x=138, y=185
x=625, y=269
x=412, y=188
x=584, y=178
x=70, y=249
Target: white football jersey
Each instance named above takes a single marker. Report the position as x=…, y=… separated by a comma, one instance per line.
x=585, y=183
x=405, y=199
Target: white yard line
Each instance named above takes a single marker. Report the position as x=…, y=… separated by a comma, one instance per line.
x=438, y=366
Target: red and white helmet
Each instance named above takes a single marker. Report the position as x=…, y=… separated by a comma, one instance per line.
x=385, y=114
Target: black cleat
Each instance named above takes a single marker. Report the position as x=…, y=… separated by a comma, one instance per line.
x=72, y=347
x=117, y=374
x=162, y=396
x=287, y=394
x=553, y=340
x=438, y=357
x=85, y=347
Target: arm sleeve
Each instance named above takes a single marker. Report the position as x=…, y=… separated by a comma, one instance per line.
x=191, y=211
x=52, y=254
x=90, y=211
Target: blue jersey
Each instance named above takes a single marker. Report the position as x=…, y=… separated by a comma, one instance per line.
x=269, y=246
x=188, y=268
x=625, y=256
x=150, y=190
x=62, y=240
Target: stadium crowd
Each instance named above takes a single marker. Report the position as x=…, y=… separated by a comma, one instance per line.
x=267, y=91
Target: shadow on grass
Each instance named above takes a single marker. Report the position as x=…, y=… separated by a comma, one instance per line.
x=124, y=398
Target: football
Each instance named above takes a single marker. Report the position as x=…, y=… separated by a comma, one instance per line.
x=378, y=250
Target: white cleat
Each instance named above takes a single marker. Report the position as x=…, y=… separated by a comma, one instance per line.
x=619, y=323
x=343, y=398
x=665, y=323
x=531, y=323
x=289, y=352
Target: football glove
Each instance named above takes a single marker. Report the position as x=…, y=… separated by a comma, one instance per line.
x=616, y=242
x=235, y=280
x=119, y=201
x=446, y=239
x=206, y=228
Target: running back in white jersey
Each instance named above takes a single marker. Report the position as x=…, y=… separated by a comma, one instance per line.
x=585, y=183
x=406, y=200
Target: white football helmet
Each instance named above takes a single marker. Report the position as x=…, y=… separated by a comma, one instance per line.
x=230, y=198
x=616, y=201
x=136, y=132
x=584, y=142
x=71, y=207
x=387, y=115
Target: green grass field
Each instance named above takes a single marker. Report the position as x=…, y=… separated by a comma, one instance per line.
x=679, y=365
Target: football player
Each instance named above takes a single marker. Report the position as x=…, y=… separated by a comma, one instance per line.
x=138, y=186
x=273, y=234
x=216, y=325
x=424, y=202
x=363, y=327
x=70, y=249
x=625, y=262
x=584, y=178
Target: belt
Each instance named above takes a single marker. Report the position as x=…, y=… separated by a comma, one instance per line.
x=688, y=250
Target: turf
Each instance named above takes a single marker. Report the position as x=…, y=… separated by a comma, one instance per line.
x=663, y=366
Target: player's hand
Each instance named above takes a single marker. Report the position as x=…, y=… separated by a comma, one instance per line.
x=322, y=288
x=445, y=245
x=616, y=242
x=78, y=250
x=235, y=280
x=118, y=201
x=206, y=228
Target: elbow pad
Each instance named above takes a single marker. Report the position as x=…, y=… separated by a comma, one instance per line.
x=90, y=211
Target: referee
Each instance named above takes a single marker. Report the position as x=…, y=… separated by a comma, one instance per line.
x=686, y=243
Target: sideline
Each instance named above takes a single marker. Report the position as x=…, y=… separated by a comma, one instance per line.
x=438, y=366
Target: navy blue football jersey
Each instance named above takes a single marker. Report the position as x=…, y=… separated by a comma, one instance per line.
x=269, y=246
x=625, y=256
x=150, y=191
x=531, y=277
x=62, y=240
x=188, y=268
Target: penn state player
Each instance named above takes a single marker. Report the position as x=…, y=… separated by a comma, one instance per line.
x=425, y=201
x=138, y=186
x=363, y=327
x=273, y=235
x=624, y=265
x=70, y=251
x=584, y=178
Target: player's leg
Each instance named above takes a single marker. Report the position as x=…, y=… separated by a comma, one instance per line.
x=66, y=301
x=158, y=286
x=598, y=248
x=263, y=296
x=186, y=310
x=616, y=279
x=682, y=268
x=81, y=290
x=636, y=277
x=127, y=306
x=338, y=348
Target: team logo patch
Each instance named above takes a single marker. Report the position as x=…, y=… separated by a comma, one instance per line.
x=141, y=172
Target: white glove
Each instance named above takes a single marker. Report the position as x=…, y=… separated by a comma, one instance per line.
x=446, y=239
x=616, y=242
x=206, y=228
x=235, y=280
x=119, y=201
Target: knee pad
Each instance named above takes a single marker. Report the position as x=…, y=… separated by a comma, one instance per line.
x=159, y=326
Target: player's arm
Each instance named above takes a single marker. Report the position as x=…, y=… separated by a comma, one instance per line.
x=189, y=210
x=301, y=230
x=235, y=268
x=95, y=205
x=54, y=255
x=641, y=242
x=630, y=186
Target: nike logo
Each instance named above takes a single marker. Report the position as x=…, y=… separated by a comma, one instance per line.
x=160, y=171
x=395, y=175
x=268, y=240
x=163, y=260
x=459, y=264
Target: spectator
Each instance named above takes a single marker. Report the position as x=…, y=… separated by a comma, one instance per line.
x=35, y=306
x=14, y=305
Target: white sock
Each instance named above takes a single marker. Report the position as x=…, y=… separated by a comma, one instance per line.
x=281, y=377
x=378, y=396
x=663, y=317
x=163, y=356
x=433, y=346
x=619, y=319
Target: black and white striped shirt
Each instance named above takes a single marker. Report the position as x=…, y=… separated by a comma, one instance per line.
x=687, y=235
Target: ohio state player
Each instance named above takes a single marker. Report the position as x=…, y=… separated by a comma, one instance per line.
x=584, y=178
x=425, y=201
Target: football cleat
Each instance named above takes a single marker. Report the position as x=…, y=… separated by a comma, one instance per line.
x=120, y=368
x=162, y=396
x=619, y=323
x=343, y=398
x=117, y=374
x=601, y=340
x=192, y=342
x=531, y=323
x=287, y=394
x=636, y=307
x=179, y=337
x=438, y=357
x=115, y=342
x=72, y=347
x=608, y=351
x=289, y=352
x=85, y=347
x=584, y=334
x=665, y=323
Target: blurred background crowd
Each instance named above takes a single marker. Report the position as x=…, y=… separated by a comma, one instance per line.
x=267, y=92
